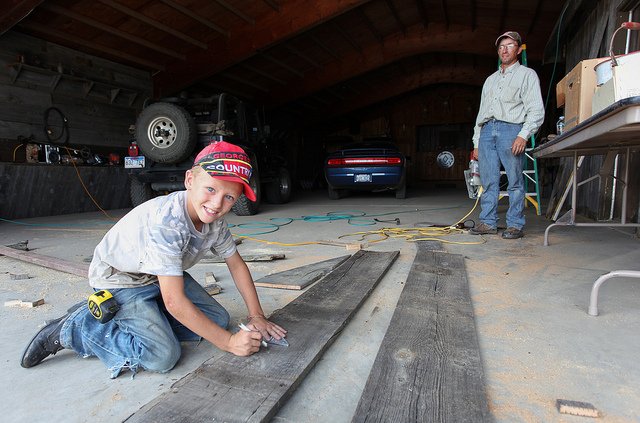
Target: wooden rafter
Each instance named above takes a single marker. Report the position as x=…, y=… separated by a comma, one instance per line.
x=503, y=16
x=536, y=16
x=111, y=30
x=473, y=7
x=372, y=28
x=417, y=41
x=263, y=74
x=347, y=37
x=244, y=81
x=273, y=4
x=442, y=73
x=158, y=25
x=281, y=64
x=12, y=13
x=424, y=17
x=445, y=12
x=195, y=16
x=239, y=13
x=302, y=55
x=396, y=17
x=324, y=47
x=43, y=29
x=294, y=18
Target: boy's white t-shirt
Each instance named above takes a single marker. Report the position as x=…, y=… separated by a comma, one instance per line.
x=155, y=238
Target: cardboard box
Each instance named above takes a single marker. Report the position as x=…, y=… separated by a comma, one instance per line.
x=623, y=84
x=575, y=92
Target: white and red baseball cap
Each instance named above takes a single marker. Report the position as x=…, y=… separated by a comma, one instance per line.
x=228, y=162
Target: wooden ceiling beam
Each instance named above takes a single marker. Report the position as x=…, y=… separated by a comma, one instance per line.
x=302, y=55
x=536, y=16
x=372, y=28
x=239, y=13
x=243, y=81
x=347, y=37
x=294, y=18
x=158, y=25
x=111, y=30
x=187, y=12
x=263, y=74
x=503, y=16
x=437, y=74
x=324, y=47
x=273, y=4
x=281, y=64
x=396, y=47
x=12, y=13
x=43, y=29
x=423, y=13
x=474, y=14
x=396, y=17
x=445, y=12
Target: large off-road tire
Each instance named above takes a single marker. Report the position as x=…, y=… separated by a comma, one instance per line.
x=279, y=191
x=244, y=206
x=140, y=192
x=166, y=133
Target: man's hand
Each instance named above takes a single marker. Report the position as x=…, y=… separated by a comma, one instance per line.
x=518, y=146
x=266, y=328
x=475, y=154
x=244, y=343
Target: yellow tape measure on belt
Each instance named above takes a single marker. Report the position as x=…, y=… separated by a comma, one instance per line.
x=102, y=305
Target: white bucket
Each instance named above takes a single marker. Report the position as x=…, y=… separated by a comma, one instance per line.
x=603, y=69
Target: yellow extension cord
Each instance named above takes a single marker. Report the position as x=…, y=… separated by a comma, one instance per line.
x=409, y=234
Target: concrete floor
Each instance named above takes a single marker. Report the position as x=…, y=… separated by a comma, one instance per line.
x=537, y=342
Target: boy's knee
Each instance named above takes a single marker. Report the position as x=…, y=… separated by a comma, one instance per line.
x=163, y=359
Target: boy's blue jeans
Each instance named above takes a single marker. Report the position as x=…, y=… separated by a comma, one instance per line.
x=496, y=139
x=142, y=333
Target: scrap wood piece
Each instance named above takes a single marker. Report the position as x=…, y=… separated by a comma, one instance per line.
x=300, y=277
x=213, y=289
x=21, y=303
x=18, y=276
x=428, y=367
x=252, y=389
x=348, y=245
x=260, y=257
x=577, y=408
x=22, y=245
x=55, y=263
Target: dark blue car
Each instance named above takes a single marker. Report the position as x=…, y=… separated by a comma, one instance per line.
x=370, y=165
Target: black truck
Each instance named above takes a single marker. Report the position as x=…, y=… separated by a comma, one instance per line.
x=171, y=132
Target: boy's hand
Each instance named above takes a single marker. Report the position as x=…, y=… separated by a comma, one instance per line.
x=266, y=328
x=244, y=343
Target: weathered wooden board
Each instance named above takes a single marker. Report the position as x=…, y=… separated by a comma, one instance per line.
x=300, y=277
x=259, y=257
x=252, y=389
x=78, y=269
x=428, y=368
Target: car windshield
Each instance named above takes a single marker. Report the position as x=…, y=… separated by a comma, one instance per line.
x=374, y=143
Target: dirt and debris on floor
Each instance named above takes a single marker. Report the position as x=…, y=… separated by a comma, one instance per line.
x=537, y=342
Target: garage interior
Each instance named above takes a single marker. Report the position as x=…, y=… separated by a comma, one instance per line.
x=76, y=75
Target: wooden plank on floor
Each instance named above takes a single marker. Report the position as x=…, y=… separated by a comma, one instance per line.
x=259, y=257
x=78, y=269
x=300, y=277
x=252, y=389
x=428, y=368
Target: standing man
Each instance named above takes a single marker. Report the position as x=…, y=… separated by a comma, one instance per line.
x=511, y=110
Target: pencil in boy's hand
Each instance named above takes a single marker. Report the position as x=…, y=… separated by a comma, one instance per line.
x=243, y=327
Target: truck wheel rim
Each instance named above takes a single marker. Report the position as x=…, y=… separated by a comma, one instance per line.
x=162, y=132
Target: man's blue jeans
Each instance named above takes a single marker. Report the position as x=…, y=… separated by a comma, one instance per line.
x=142, y=333
x=494, y=148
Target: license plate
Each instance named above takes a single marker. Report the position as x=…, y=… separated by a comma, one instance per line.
x=134, y=162
x=363, y=177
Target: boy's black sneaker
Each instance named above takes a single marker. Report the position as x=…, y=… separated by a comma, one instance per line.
x=46, y=342
x=483, y=229
x=512, y=233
